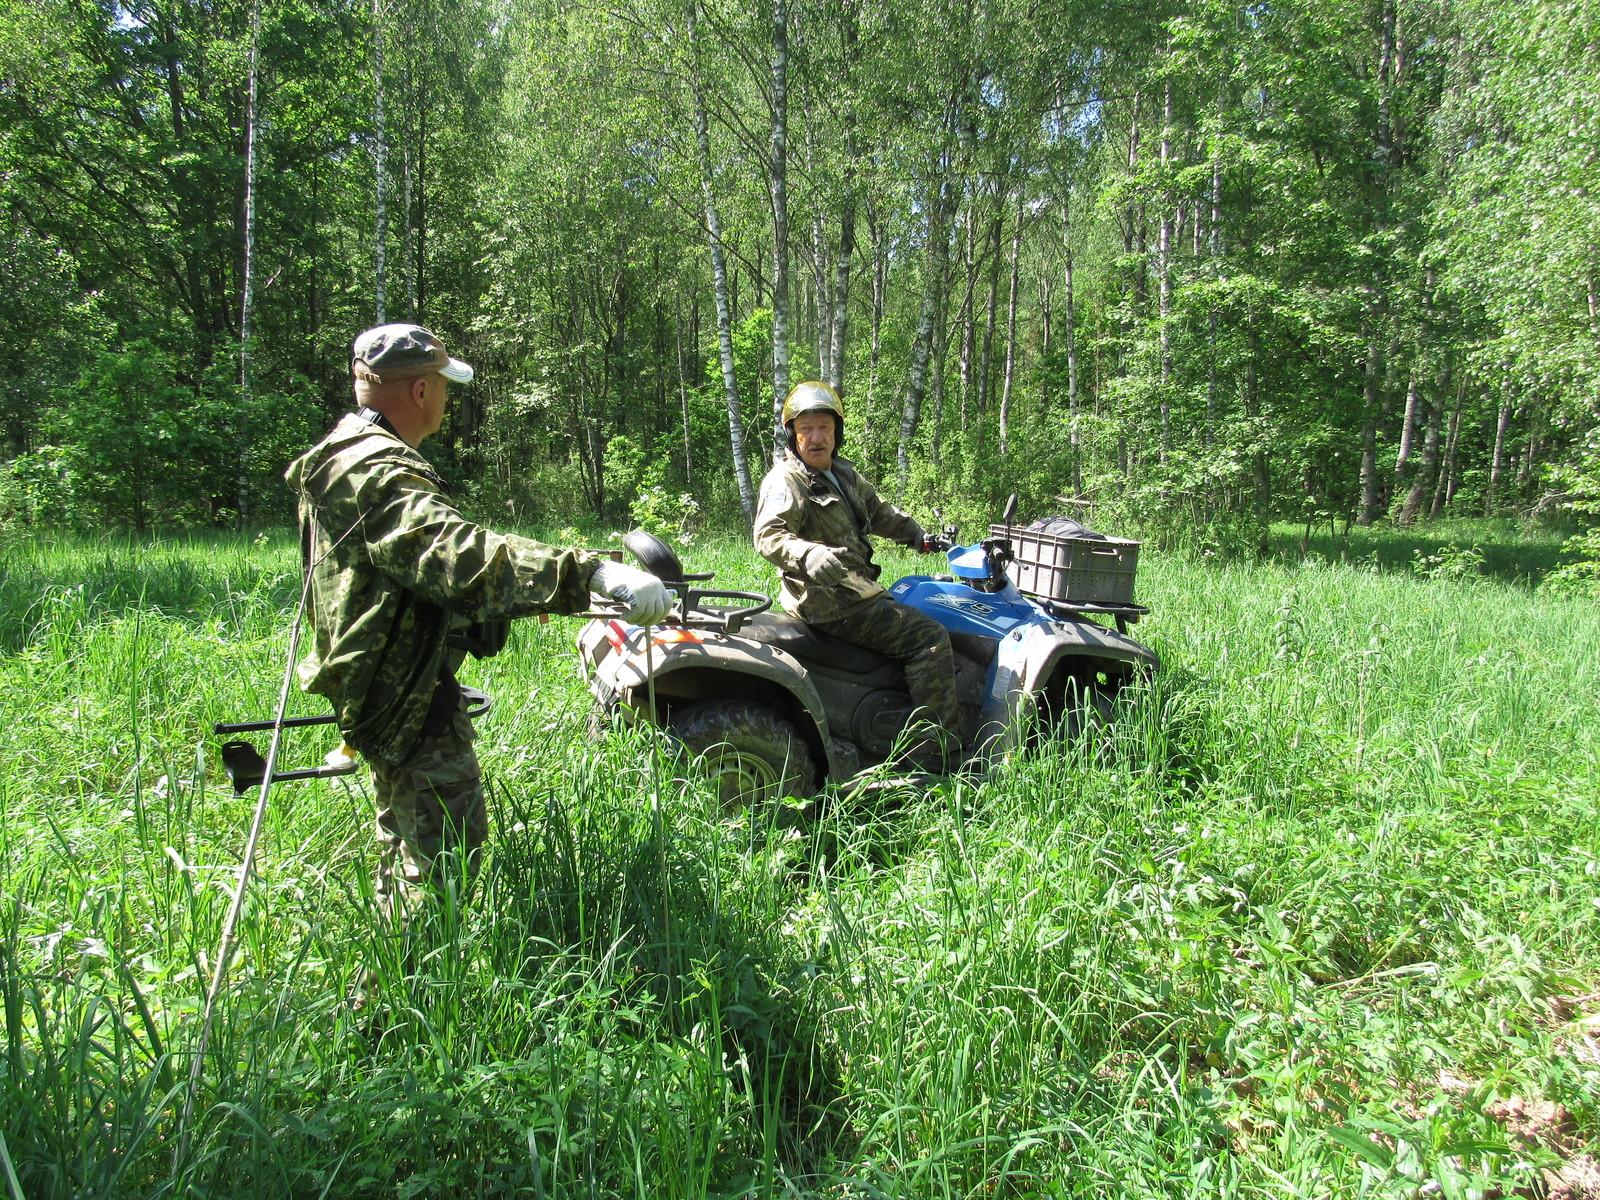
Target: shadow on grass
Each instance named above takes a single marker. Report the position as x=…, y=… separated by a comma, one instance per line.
x=1510, y=553
x=647, y=910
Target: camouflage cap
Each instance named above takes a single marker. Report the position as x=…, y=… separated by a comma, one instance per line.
x=401, y=350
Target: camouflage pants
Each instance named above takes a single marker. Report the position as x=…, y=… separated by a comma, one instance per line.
x=431, y=818
x=919, y=642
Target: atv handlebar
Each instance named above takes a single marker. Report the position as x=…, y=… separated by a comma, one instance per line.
x=687, y=613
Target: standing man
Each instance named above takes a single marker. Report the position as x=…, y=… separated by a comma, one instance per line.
x=396, y=574
x=812, y=523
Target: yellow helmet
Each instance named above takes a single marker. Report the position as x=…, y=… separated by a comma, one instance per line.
x=813, y=396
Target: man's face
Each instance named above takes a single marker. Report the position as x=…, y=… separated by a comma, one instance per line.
x=814, y=436
x=436, y=393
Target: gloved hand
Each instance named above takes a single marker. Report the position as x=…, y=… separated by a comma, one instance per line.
x=823, y=565
x=645, y=597
x=933, y=543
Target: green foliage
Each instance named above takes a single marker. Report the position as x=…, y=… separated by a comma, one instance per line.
x=1327, y=262
x=116, y=430
x=1582, y=484
x=1451, y=561
x=660, y=512
x=1580, y=578
x=1302, y=919
x=118, y=425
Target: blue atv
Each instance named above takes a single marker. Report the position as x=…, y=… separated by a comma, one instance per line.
x=772, y=707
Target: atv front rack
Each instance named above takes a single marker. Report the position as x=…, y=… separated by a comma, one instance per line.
x=1123, y=614
x=246, y=768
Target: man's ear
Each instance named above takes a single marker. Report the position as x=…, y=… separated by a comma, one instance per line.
x=417, y=391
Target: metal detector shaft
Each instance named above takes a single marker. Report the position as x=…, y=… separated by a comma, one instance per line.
x=246, y=768
x=478, y=703
x=253, y=726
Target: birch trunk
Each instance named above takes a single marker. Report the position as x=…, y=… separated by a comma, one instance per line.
x=824, y=302
x=1164, y=273
x=1445, y=490
x=247, y=286
x=1011, y=331
x=1376, y=395
x=1408, y=424
x=922, y=342
x=683, y=395
x=969, y=259
x=880, y=280
x=719, y=277
x=418, y=220
x=985, y=357
x=1069, y=334
x=1427, y=467
x=838, y=327
x=1373, y=403
x=779, y=187
x=1215, y=252
x=1497, y=463
x=380, y=162
x=247, y=280
x=408, y=262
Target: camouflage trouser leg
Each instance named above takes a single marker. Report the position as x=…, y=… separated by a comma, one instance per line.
x=430, y=818
x=918, y=641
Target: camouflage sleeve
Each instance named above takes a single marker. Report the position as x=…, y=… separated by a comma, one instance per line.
x=420, y=540
x=887, y=521
x=779, y=515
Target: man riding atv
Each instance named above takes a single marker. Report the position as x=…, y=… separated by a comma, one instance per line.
x=812, y=523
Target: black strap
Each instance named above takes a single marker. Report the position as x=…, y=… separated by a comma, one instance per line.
x=445, y=703
x=373, y=417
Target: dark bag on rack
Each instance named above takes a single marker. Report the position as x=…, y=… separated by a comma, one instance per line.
x=1065, y=527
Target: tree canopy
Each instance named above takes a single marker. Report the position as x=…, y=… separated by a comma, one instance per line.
x=1215, y=264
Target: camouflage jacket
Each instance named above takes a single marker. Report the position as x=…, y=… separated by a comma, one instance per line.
x=392, y=564
x=800, y=508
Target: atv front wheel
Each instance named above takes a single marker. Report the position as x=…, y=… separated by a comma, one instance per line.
x=752, y=754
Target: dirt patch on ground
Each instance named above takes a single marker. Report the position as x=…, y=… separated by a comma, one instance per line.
x=1575, y=1027
x=1548, y=1125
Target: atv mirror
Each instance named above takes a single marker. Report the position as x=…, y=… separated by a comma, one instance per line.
x=1011, y=510
x=655, y=556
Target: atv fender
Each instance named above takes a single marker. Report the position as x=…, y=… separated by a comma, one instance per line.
x=1028, y=656
x=705, y=665
x=1083, y=640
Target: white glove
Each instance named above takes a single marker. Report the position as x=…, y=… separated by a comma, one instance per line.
x=823, y=565
x=645, y=597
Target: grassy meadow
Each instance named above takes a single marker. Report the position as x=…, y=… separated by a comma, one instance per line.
x=1314, y=917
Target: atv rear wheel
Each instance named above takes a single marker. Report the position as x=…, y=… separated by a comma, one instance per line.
x=752, y=754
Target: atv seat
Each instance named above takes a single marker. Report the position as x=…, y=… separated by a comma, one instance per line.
x=811, y=645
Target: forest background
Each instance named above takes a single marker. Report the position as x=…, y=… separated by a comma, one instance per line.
x=1212, y=264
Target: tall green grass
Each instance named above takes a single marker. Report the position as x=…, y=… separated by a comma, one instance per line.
x=1291, y=924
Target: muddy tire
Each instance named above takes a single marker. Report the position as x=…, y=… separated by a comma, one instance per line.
x=752, y=754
